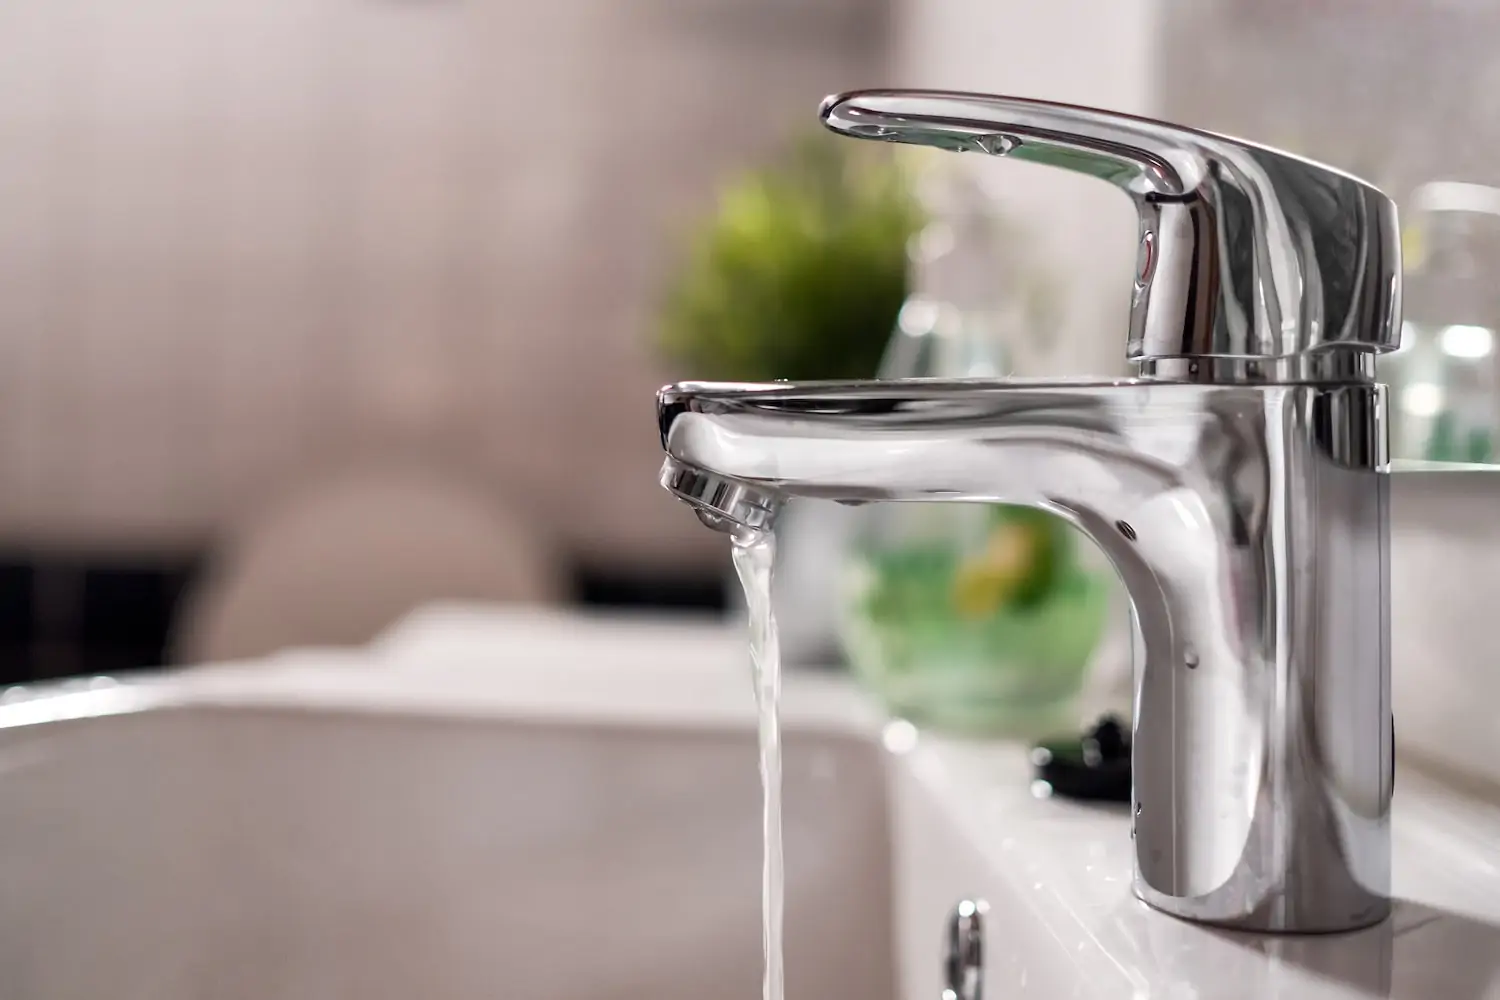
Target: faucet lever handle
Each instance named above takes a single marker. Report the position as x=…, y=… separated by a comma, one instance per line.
x=1252, y=263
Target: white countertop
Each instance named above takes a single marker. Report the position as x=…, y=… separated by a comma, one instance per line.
x=1067, y=864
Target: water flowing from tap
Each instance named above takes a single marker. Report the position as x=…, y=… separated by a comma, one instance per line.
x=754, y=556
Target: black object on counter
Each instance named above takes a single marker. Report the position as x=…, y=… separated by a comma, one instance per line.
x=1093, y=766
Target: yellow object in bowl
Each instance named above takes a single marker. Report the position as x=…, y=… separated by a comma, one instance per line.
x=1017, y=565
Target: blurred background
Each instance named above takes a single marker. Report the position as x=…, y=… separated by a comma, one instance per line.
x=314, y=311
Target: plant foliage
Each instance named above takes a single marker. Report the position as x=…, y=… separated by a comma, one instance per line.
x=801, y=271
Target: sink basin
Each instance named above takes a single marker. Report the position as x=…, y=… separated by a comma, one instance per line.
x=223, y=837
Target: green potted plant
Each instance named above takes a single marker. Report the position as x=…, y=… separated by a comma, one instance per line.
x=801, y=271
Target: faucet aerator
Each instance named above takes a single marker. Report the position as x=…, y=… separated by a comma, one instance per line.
x=723, y=504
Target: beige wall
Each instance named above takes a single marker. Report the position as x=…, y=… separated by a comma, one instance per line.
x=1397, y=93
x=1083, y=231
x=242, y=238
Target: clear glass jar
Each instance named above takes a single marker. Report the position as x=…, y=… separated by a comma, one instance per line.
x=1445, y=379
x=974, y=618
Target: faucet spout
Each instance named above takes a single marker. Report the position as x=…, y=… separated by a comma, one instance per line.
x=1248, y=524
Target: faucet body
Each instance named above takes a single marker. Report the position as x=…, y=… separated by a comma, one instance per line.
x=1239, y=489
x=1249, y=526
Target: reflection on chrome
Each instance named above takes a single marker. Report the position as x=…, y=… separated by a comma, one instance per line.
x=1239, y=491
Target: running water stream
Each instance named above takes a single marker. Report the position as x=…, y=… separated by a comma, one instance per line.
x=754, y=554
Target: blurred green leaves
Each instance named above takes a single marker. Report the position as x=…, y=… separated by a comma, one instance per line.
x=802, y=270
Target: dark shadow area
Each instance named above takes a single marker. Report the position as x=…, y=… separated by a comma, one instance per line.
x=618, y=587
x=61, y=616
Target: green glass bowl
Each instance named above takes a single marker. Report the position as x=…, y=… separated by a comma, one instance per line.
x=1016, y=671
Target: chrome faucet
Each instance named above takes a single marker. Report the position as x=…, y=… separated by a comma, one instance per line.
x=1238, y=486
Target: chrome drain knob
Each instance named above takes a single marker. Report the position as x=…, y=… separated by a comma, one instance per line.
x=963, y=965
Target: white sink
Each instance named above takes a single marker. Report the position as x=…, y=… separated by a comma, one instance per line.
x=488, y=805
x=226, y=836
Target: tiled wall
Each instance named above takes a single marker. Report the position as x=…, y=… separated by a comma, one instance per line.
x=1081, y=231
x=239, y=238
x=1399, y=93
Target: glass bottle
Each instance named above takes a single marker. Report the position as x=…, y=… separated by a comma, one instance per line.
x=1445, y=393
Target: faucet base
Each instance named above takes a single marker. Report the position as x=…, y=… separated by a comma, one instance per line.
x=1271, y=917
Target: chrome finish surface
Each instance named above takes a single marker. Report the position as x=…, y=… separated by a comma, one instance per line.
x=963, y=958
x=722, y=504
x=1244, y=251
x=1240, y=492
x=1256, y=560
x=1328, y=366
